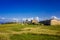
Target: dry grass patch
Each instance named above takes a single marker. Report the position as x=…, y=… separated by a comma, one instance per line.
x=4, y=36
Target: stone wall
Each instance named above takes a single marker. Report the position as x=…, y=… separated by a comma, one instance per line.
x=34, y=21
x=55, y=22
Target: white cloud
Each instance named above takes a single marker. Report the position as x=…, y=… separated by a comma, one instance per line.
x=54, y=17
x=24, y=19
x=37, y=18
x=2, y=18
x=15, y=19
x=29, y=19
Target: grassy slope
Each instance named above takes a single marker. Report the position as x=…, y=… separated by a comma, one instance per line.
x=34, y=37
x=49, y=32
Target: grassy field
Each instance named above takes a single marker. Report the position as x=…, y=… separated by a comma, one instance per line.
x=29, y=32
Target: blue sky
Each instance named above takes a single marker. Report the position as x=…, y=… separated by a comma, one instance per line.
x=29, y=8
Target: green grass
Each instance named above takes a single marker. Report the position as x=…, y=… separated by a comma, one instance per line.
x=51, y=27
x=9, y=28
x=12, y=27
x=18, y=26
x=34, y=37
x=4, y=37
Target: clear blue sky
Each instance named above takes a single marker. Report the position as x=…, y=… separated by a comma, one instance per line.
x=29, y=8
